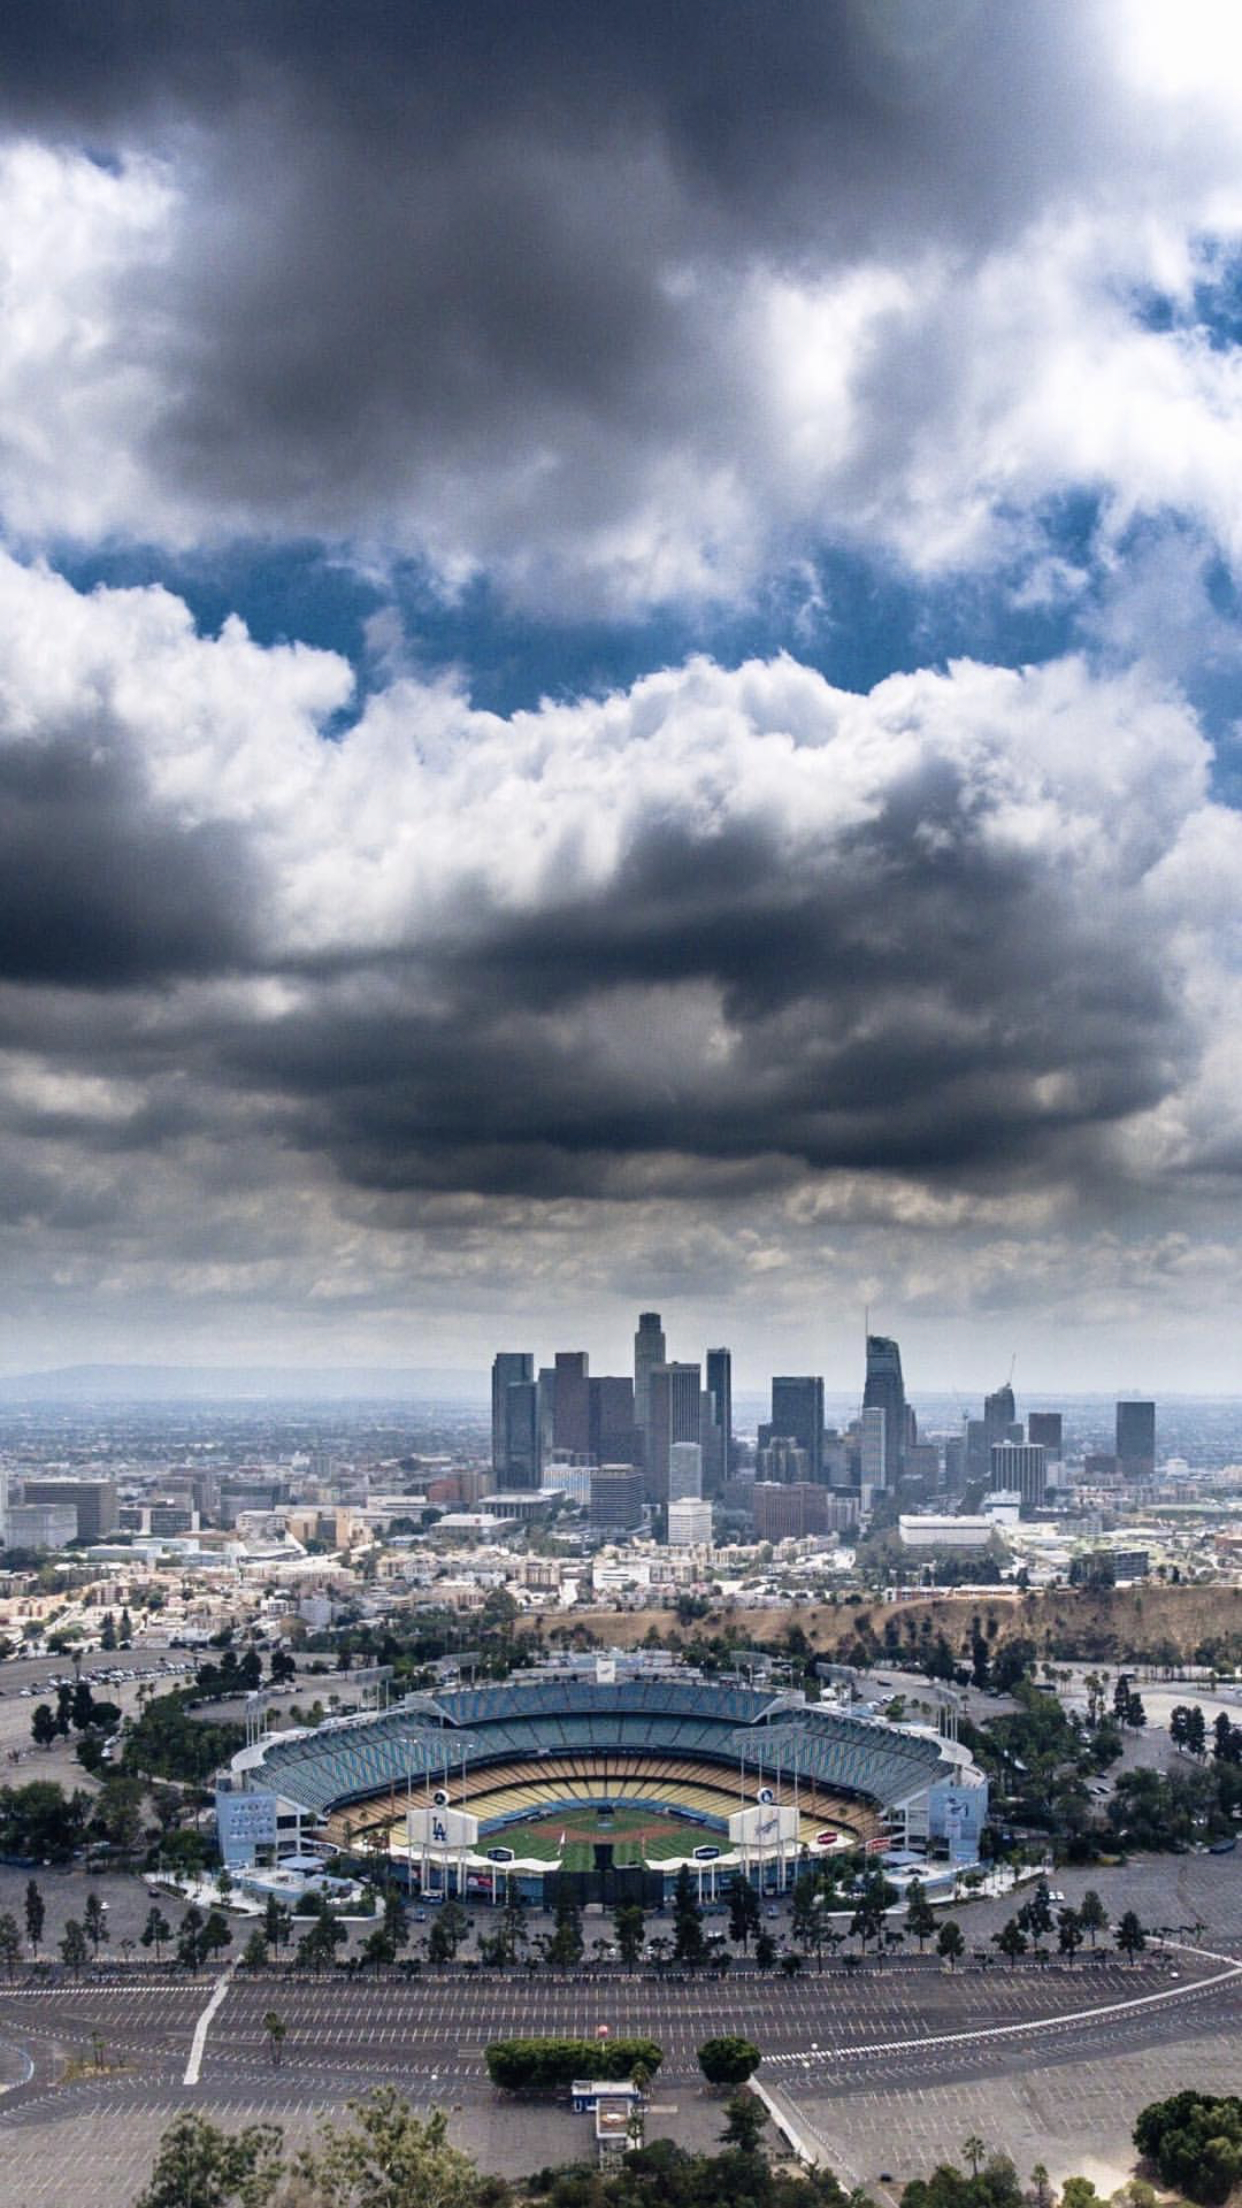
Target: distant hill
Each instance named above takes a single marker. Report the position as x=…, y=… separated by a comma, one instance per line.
x=247, y=1384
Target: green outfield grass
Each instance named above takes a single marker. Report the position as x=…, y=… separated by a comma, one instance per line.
x=635, y=1831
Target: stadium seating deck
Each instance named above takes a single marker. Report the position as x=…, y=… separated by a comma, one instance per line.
x=515, y=1738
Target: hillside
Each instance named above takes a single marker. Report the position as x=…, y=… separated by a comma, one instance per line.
x=1152, y=1624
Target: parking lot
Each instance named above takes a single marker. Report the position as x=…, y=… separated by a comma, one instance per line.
x=877, y=2062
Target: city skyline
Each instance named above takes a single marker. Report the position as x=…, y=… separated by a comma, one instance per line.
x=622, y=636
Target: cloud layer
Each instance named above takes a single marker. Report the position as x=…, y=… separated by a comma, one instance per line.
x=326, y=1011
x=617, y=310
x=767, y=958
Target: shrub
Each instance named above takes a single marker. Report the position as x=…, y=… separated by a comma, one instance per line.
x=728, y=2060
x=527, y=2064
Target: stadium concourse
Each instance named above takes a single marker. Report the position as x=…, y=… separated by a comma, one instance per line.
x=614, y=1771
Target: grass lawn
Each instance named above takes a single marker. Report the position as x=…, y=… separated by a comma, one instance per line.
x=634, y=1830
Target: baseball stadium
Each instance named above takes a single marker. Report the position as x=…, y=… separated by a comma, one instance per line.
x=616, y=1778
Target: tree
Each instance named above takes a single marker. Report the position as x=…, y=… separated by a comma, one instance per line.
x=277, y=2031
x=254, y=1953
x=950, y=1945
x=1130, y=1936
x=1136, y=1715
x=728, y=2060
x=43, y=1726
x=1092, y=1915
x=215, y=1935
x=688, y=1942
x=974, y=2150
x=920, y=1916
x=745, y=2117
x=189, y=1952
x=200, y=2166
x=107, y=1636
x=387, y=2158
x=1069, y=1933
x=765, y=1951
x=447, y=1933
x=10, y=1941
x=875, y=1896
x=1179, y=1725
x=1039, y=1912
x=804, y=1908
x=377, y=1948
x=35, y=1913
x=277, y=1922
x=73, y=1947
x=629, y=1930
x=1011, y=1940
x=95, y=1921
x=565, y=1946
x=744, y=1915
x=317, y=1947
x=396, y=1924
x=1195, y=2141
x=156, y=1930
x=1196, y=1732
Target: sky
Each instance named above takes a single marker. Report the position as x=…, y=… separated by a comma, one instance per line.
x=620, y=656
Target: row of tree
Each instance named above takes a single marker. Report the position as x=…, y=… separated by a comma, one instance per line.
x=1188, y=1731
x=385, y=2157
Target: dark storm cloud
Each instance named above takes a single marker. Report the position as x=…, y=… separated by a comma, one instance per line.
x=101, y=890
x=470, y=278
x=901, y=997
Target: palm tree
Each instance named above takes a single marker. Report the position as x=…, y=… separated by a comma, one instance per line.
x=276, y=2028
x=974, y=2150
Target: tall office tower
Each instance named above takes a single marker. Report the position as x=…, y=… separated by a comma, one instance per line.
x=1046, y=1428
x=978, y=1452
x=885, y=1390
x=1136, y=1440
x=521, y=1468
x=955, y=1464
x=616, y=1498
x=685, y=1472
x=798, y=1414
x=508, y=1367
x=675, y=1392
x=780, y=1459
x=998, y=1414
x=546, y=1385
x=1020, y=1468
x=571, y=1423
x=94, y=1500
x=719, y=1455
x=613, y=1439
x=873, y=1447
x=650, y=1350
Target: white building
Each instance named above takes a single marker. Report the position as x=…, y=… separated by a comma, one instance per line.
x=945, y=1533
x=690, y=1525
